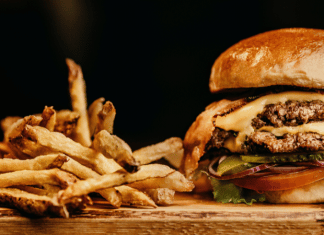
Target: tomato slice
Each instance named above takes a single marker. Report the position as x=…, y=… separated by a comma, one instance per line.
x=280, y=181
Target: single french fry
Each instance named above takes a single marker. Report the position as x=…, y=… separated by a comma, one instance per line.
x=175, y=181
x=10, y=155
x=79, y=103
x=16, y=129
x=113, y=147
x=84, y=187
x=112, y=196
x=157, y=151
x=40, y=177
x=175, y=158
x=49, y=118
x=28, y=148
x=58, y=161
x=93, y=111
x=32, y=189
x=39, y=163
x=161, y=196
x=7, y=122
x=134, y=197
x=48, y=190
x=78, y=169
x=123, y=144
x=106, y=117
x=66, y=121
x=40, y=205
x=41, y=140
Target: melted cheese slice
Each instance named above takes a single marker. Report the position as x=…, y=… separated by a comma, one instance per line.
x=317, y=127
x=240, y=120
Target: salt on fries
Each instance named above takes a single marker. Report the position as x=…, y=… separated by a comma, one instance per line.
x=50, y=162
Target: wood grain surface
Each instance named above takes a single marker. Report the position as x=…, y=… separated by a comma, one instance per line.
x=190, y=214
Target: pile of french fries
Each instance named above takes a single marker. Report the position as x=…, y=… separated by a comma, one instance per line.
x=51, y=162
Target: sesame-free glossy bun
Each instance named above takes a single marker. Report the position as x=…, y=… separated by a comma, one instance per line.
x=280, y=57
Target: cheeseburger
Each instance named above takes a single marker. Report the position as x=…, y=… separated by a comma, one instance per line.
x=265, y=140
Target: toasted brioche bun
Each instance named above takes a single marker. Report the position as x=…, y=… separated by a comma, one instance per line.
x=280, y=57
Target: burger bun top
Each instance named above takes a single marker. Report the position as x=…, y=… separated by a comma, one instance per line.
x=292, y=57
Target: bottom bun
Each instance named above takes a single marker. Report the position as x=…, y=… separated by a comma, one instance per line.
x=311, y=193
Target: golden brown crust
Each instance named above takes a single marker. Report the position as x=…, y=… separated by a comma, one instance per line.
x=279, y=57
x=201, y=131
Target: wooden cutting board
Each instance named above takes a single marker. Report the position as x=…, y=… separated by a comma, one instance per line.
x=190, y=214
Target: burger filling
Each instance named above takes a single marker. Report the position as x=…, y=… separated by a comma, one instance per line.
x=290, y=113
x=270, y=142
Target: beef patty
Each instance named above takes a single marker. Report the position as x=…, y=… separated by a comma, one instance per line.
x=291, y=113
x=267, y=142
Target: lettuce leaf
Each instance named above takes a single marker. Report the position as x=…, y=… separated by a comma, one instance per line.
x=226, y=192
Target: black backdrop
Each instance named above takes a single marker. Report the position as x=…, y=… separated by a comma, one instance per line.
x=152, y=59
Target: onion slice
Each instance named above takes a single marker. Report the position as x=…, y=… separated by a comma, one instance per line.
x=263, y=173
x=241, y=174
x=287, y=169
x=310, y=163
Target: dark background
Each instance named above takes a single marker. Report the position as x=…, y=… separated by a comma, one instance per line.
x=152, y=59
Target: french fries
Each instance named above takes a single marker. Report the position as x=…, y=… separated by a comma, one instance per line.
x=49, y=118
x=50, y=162
x=87, y=186
x=157, y=151
x=175, y=181
x=48, y=190
x=66, y=122
x=112, y=196
x=40, y=205
x=133, y=197
x=79, y=102
x=115, y=148
x=106, y=117
x=41, y=162
x=5, y=149
x=16, y=128
x=93, y=112
x=175, y=158
x=40, y=177
x=7, y=122
x=161, y=196
x=42, y=140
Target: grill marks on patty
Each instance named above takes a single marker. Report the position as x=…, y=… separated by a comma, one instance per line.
x=291, y=113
